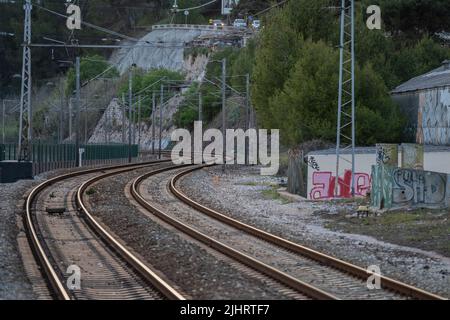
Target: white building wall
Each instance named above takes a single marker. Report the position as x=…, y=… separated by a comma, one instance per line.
x=321, y=181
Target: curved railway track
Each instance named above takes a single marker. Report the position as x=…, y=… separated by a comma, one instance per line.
x=108, y=270
x=111, y=271
x=317, y=275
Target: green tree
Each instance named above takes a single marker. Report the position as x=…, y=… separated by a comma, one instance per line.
x=280, y=42
x=305, y=107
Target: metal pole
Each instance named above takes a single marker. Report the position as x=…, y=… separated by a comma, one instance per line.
x=200, y=106
x=247, y=115
x=61, y=111
x=106, y=113
x=341, y=71
x=134, y=123
x=346, y=135
x=123, y=118
x=77, y=112
x=153, y=122
x=224, y=115
x=85, y=124
x=160, y=120
x=25, y=129
x=3, y=123
x=353, y=98
x=139, y=120
x=130, y=104
x=70, y=119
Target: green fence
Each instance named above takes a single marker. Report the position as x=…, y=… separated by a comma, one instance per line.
x=52, y=156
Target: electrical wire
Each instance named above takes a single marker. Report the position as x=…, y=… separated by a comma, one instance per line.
x=194, y=8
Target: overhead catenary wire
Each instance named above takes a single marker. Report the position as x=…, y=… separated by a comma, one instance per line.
x=195, y=8
x=117, y=34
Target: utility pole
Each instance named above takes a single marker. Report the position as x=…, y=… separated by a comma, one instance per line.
x=153, y=121
x=3, y=123
x=130, y=104
x=85, y=124
x=134, y=123
x=61, y=111
x=200, y=105
x=86, y=119
x=224, y=115
x=25, y=128
x=160, y=120
x=346, y=136
x=247, y=115
x=106, y=113
x=70, y=119
x=139, y=120
x=77, y=112
x=123, y=118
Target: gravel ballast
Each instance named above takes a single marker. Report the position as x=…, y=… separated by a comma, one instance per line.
x=14, y=284
x=245, y=195
x=198, y=272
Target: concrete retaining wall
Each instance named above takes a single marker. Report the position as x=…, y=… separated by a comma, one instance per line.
x=322, y=170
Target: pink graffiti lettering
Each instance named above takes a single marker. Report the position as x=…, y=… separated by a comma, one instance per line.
x=324, y=183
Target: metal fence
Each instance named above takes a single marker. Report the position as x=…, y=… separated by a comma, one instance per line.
x=47, y=157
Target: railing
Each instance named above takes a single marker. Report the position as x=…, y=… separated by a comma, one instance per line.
x=47, y=157
x=194, y=26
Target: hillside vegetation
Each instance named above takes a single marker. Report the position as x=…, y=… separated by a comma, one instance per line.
x=295, y=67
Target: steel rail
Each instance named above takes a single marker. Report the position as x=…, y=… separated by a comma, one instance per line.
x=243, y=258
x=54, y=281
x=386, y=282
x=145, y=271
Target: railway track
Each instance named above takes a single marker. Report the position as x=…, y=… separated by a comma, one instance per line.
x=63, y=234
x=111, y=271
x=307, y=271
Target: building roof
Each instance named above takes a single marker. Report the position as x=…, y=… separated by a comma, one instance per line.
x=436, y=78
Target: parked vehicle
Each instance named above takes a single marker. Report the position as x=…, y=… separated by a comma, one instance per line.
x=240, y=23
x=256, y=24
x=218, y=23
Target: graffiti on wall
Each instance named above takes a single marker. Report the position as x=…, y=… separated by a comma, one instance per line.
x=313, y=163
x=398, y=188
x=324, y=185
x=415, y=187
x=434, y=117
x=387, y=154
